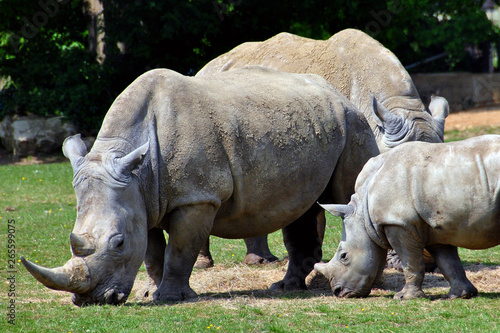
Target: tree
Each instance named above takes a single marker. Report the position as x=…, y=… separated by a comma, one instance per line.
x=43, y=51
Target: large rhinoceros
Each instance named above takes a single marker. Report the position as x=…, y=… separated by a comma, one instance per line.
x=357, y=65
x=238, y=154
x=419, y=195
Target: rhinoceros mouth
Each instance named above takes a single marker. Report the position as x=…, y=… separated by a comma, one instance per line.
x=111, y=296
x=346, y=292
x=341, y=291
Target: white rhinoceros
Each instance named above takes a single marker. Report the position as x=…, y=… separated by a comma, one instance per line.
x=357, y=65
x=235, y=155
x=419, y=195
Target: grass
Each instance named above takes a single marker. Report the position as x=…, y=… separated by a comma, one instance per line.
x=456, y=135
x=233, y=297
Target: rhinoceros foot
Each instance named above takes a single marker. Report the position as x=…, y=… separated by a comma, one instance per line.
x=204, y=262
x=465, y=291
x=171, y=295
x=410, y=293
x=255, y=259
x=146, y=291
x=292, y=284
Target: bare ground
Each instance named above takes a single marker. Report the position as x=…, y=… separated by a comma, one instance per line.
x=479, y=117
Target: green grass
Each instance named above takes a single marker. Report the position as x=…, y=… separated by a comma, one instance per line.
x=456, y=135
x=41, y=200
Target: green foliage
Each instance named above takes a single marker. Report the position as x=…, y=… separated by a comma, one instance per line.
x=43, y=51
x=44, y=44
x=423, y=28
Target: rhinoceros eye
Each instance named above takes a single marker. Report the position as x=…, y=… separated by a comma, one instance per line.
x=117, y=242
x=344, y=258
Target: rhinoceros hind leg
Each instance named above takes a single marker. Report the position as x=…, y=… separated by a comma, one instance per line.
x=188, y=227
x=304, y=248
x=393, y=261
x=258, y=251
x=204, y=259
x=449, y=264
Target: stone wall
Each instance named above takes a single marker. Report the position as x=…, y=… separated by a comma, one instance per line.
x=32, y=135
x=462, y=90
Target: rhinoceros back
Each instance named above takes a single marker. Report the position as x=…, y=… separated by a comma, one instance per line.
x=260, y=145
x=452, y=187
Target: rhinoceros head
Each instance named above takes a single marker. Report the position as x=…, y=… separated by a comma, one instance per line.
x=358, y=260
x=110, y=234
x=402, y=125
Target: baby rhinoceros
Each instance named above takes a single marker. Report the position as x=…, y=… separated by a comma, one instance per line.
x=437, y=196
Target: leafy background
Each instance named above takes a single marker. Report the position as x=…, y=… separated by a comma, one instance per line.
x=53, y=69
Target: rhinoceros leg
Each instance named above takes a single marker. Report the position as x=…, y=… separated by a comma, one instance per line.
x=258, y=251
x=410, y=249
x=449, y=264
x=154, y=261
x=188, y=228
x=204, y=257
x=304, y=249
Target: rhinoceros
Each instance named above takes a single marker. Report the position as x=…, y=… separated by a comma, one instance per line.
x=235, y=155
x=419, y=195
x=357, y=65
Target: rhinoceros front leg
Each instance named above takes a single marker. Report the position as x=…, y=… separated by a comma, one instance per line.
x=304, y=249
x=449, y=264
x=188, y=228
x=154, y=261
x=409, y=248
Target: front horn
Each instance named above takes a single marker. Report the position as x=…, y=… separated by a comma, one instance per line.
x=74, y=276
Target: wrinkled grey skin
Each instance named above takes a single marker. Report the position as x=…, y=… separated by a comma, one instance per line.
x=236, y=155
x=357, y=65
x=419, y=195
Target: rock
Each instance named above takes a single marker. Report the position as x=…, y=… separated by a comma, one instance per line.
x=32, y=135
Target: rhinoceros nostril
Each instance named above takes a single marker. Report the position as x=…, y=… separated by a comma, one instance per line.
x=121, y=298
x=114, y=297
x=337, y=291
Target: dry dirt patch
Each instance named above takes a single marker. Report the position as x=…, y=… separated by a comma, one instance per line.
x=222, y=283
x=482, y=117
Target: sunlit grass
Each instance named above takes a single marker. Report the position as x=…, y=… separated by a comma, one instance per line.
x=41, y=200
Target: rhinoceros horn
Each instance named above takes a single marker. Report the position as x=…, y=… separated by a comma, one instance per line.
x=80, y=245
x=74, y=276
x=338, y=210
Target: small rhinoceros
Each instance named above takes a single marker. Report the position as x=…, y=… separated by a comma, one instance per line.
x=238, y=154
x=419, y=195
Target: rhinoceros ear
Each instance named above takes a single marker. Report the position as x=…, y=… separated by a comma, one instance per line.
x=393, y=126
x=439, y=107
x=382, y=116
x=75, y=150
x=127, y=163
x=338, y=210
